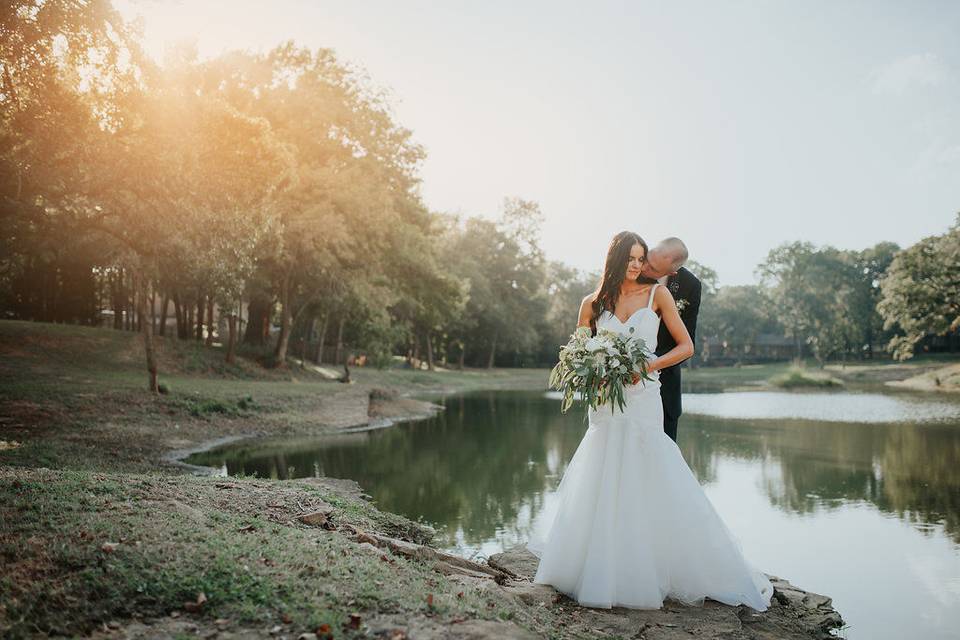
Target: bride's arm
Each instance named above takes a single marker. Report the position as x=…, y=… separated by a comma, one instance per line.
x=586, y=311
x=663, y=302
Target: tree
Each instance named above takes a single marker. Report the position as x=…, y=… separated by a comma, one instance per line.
x=504, y=271
x=810, y=288
x=355, y=174
x=869, y=266
x=921, y=291
x=737, y=316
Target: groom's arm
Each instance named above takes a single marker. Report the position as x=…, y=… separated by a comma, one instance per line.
x=693, y=310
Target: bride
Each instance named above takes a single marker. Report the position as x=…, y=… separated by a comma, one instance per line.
x=631, y=525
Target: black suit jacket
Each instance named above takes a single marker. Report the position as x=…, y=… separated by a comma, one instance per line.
x=683, y=286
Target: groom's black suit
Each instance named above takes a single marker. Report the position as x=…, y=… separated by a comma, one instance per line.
x=683, y=286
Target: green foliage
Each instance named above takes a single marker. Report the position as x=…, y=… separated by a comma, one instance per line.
x=599, y=369
x=921, y=291
x=798, y=378
x=826, y=298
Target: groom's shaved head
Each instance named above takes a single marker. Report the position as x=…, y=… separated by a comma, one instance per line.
x=675, y=250
x=664, y=259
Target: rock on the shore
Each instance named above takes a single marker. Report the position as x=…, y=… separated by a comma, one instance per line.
x=794, y=614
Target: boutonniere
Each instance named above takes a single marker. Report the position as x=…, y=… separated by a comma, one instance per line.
x=682, y=304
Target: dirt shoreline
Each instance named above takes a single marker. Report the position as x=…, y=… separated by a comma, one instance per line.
x=400, y=409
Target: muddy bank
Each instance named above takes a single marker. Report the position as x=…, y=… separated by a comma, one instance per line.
x=794, y=614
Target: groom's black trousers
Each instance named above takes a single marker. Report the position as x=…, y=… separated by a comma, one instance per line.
x=670, y=396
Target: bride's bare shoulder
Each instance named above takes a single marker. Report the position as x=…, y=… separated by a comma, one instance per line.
x=588, y=299
x=586, y=309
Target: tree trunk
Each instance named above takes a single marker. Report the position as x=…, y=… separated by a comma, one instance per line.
x=231, y=338
x=336, y=355
x=115, y=301
x=210, y=321
x=463, y=354
x=286, y=324
x=178, y=312
x=153, y=307
x=258, y=321
x=493, y=352
x=164, y=303
x=125, y=300
x=322, y=337
x=134, y=301
x=429, y=352
x=200, y=309
x=146, y=328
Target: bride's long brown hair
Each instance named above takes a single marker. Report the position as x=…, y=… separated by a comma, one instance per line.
x=614, y=272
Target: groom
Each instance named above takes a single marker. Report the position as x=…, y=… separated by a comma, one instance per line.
x=665, y=264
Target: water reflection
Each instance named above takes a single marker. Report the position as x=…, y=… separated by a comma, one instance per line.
x=909, y=470
x=483, y=468
x=834, y=506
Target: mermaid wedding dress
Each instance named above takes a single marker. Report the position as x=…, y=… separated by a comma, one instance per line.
x=631, y=525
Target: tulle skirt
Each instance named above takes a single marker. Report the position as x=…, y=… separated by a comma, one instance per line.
x=631, y=525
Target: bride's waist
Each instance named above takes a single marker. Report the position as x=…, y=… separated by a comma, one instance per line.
x=644, y=385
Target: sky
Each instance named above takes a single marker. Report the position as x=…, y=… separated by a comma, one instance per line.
x=736, y=126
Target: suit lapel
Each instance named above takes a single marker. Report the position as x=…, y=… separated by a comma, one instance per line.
x=673, y=285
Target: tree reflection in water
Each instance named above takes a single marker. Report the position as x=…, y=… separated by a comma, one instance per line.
x=481, y=469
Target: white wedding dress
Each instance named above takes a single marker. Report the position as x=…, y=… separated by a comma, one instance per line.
x=631, y=525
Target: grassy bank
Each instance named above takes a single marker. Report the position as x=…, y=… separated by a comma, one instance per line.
x=97, y=532
x=81, y=550
x=940, y=379
x=810, y=375
x=802, y=378
x=75, y=397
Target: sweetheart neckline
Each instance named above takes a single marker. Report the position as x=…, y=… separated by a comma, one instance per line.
x=630, y=317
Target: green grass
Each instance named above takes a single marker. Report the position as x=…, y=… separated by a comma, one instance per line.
x=734, y=376
x=799, y=378
x=180, y=537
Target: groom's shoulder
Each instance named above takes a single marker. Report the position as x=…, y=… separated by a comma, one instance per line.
x=686, y=277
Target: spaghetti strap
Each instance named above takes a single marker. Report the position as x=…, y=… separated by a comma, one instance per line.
x=652, y=291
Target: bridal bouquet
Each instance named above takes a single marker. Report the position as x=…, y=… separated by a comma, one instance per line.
x=598, y=368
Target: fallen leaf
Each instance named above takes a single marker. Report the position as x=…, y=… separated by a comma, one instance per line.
x=247, y=529
x=460, y=596
x=354, y=620
x=194, y=607
x=109, y=547
x=286, y=618
x=429, y=599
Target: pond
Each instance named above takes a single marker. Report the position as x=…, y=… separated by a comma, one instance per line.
x=856, y=496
